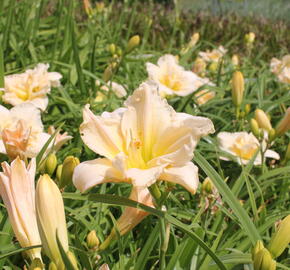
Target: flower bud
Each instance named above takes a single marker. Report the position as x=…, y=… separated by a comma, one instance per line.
x=72, y=259
x=235, y=60
x=109, y=72
x=51, y=219
x=58, y=172
x=133, y=43
x=272, y=134
x=238, y=87
x=281, y=238
x=263, y=260
x=259, y=246
x=284, y=124
x=112, y=48
x=263, y=120
x=68, y=167
x=247, y=108
x=50, y=164
x=92, y=240
x=207, y=186
x=52, y=266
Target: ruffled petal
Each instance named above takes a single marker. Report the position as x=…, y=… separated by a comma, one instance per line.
x=186, y=176
x=90, y=173
x=102, y=134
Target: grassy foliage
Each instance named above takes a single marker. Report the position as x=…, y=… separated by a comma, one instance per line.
x=253, y=197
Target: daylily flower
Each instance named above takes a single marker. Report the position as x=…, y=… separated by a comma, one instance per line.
x=172, y=79
x=243, y=146
x=31, y=86
x=281, y=68
x=116, y=88
x=22, y=134
x=214, y=55
x=18, y=193
x=144, y=142
x=21, y=124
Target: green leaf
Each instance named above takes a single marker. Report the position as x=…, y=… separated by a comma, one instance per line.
x=227, y=195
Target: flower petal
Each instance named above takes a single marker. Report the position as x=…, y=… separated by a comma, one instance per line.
x=186, y=176
x=178, y=141
x=153, y=116
x=102, y=134
x=144, y=178
x=133, y=216
x=272, y=154
x=90, y=173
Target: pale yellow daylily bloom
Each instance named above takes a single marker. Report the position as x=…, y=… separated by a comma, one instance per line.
x=144, y=142
x=214, y=55
x=22, y=134
x=22, y=120
x=172, y=79
x=51, y=219
x=31, y=86
x=243, y=146
x=281, y=68
x=18, y=194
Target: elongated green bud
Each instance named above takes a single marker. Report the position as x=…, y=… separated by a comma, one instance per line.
x=238, y=87
x=255, y=127
x=50, y=163
x=68, y=167
x=281, y=238
x=58, y=172
x=133, y=43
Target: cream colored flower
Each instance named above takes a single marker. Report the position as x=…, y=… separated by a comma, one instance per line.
x=116, y=88
x=21, y=120
x=204, y=96
x=281, y=68
x=51, y=219
x=242, y=146
x=32, y=86
x=18, y=193
x=172, y=79
x=214, y=55
x=144, y=142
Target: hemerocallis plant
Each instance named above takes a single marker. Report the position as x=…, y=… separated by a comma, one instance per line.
x=144, y=142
